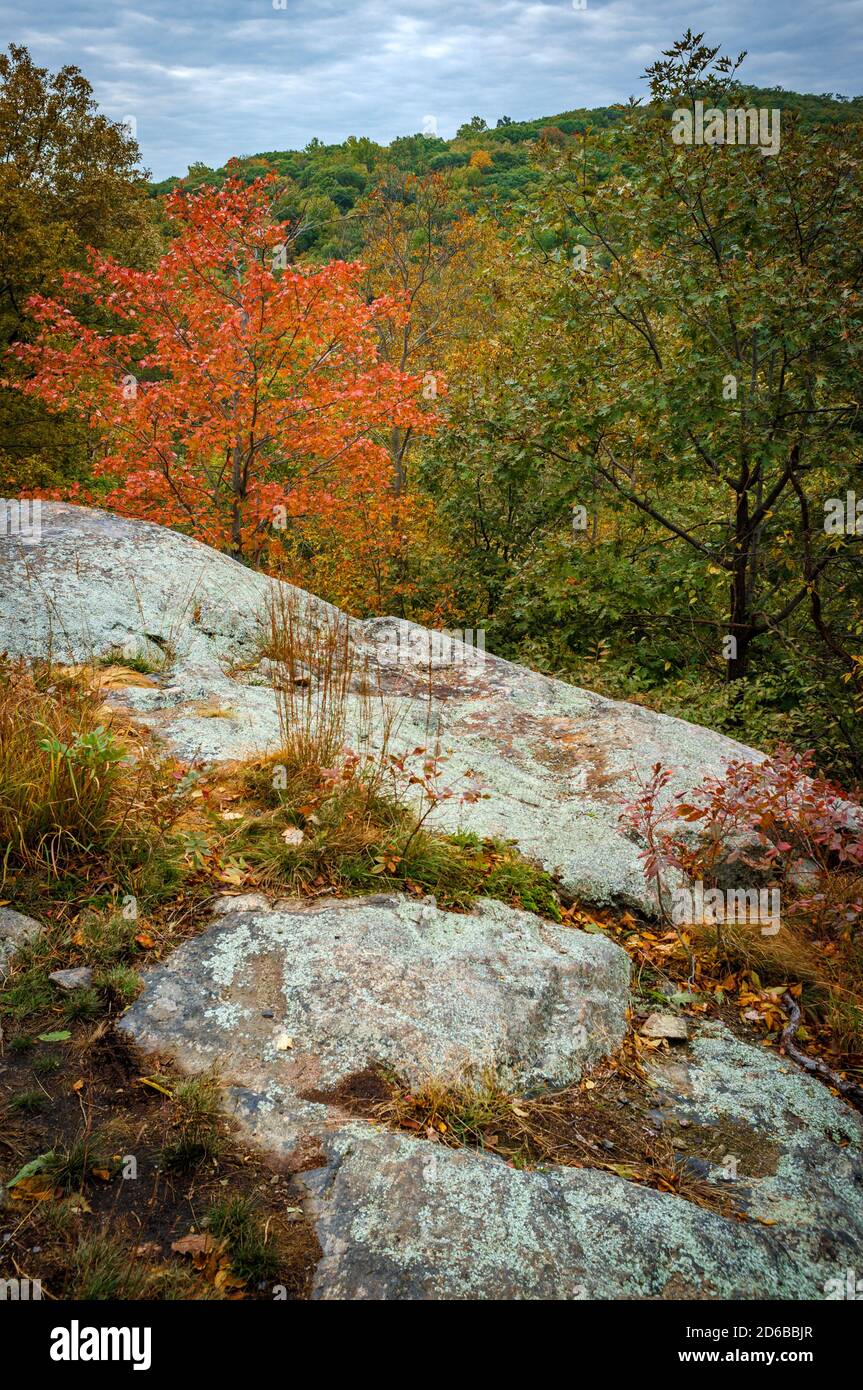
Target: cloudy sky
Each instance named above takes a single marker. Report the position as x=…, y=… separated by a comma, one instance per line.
x=205, y=79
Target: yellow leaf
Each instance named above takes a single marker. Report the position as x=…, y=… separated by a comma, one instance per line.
x=145, y=1081
x=39, y=1188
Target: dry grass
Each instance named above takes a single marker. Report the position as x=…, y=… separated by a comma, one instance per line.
x=599, y=1122
x=829, y=969
x=76, y=803
x=59, y=767
x=312, y=664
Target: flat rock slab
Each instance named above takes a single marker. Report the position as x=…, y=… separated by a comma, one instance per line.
x=404, y=1218
x=555, y=760
x=300, y=999
x=286, y=1002
x=400, y=1218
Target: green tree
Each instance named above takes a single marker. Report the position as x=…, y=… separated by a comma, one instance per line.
x=719, y=290
x=69, y=179
x=686, y=366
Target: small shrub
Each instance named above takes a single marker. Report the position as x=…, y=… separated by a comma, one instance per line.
x=790, y=830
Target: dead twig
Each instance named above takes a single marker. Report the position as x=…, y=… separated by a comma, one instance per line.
x=813, y=1064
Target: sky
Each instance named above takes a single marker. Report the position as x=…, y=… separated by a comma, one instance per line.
x=202, y=80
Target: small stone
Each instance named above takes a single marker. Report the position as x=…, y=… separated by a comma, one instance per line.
x=15, y=930
x=80, y=978
x=267, y=1013
x=697, y=1167
x=284, y=1042
x=665, y=1026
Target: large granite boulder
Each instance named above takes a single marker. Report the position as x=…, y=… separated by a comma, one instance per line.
x=302, y=996
x=292, y=1003
x=555, y=760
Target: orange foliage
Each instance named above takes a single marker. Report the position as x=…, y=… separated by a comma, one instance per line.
x=235, y=395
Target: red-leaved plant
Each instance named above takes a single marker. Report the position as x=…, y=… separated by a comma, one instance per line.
x=793, y=828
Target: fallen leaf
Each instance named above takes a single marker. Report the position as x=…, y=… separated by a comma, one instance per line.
x=35, y=1189
x=200, y=1244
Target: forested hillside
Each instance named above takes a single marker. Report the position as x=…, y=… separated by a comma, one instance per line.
x=489, y=166
x=616, y=380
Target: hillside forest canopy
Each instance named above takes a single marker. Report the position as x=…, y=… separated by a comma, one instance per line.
x=569, y=381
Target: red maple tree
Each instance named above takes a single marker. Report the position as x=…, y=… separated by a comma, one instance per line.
x=231, y=391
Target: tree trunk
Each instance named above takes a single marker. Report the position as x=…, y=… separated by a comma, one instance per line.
x=238, y=490
x=740, y=623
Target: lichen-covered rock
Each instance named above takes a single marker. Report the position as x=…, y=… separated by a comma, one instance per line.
x=290, y=1002
x=15, y=930
x=555, y=760
x=302, y=998
x=789, y=1150
x=400, y=1218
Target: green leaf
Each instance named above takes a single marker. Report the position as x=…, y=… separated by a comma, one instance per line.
x=31, y=1169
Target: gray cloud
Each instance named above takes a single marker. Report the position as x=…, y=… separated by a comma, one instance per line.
x=209, y=80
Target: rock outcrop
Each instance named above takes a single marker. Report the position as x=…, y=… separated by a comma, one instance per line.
x=290, y=1002
x=556, y=761
x=303, y=996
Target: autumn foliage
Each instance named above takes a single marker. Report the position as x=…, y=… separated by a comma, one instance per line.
x=777, y=819
x=235, y=395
